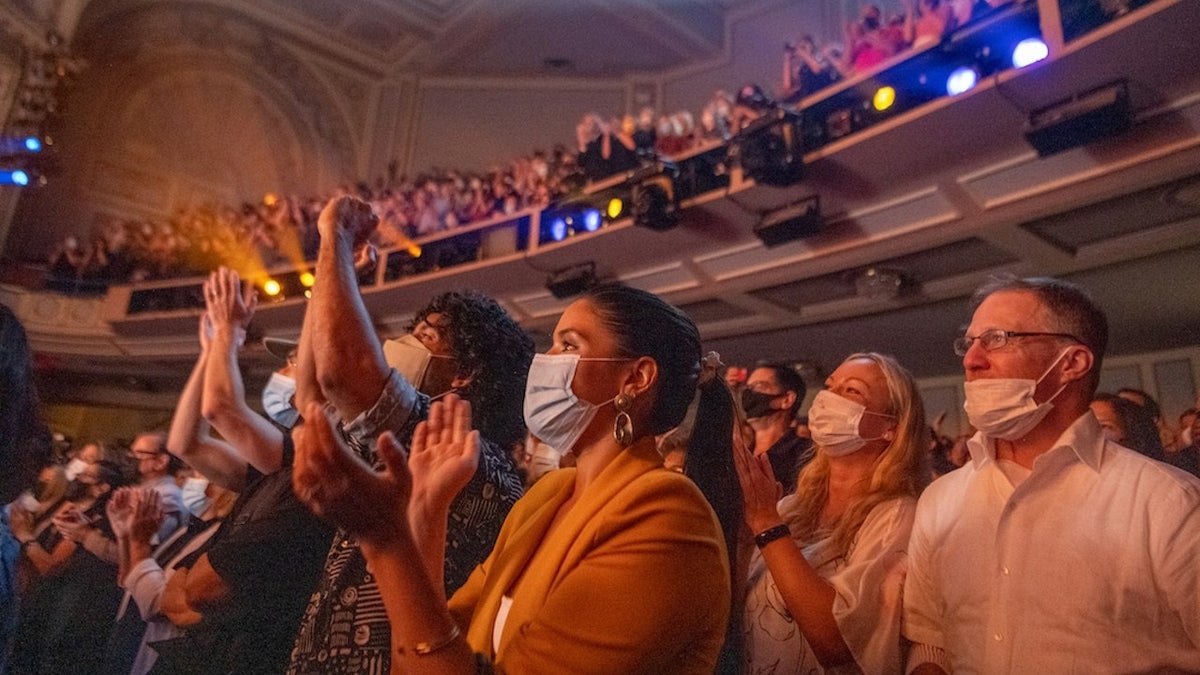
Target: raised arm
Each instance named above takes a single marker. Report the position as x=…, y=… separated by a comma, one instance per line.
x=348, y=359
x=808, y=597
x=231, y=308
x=189, y=437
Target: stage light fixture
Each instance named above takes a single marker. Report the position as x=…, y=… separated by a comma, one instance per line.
x=615, y=208
x=14, y=177
x=571, y=281
x=1082, y=119
x=654, y=205
x=271, y=287
x=307, y=279
x=1029, y=51
x=558, y=229
x=591, y=220
x=33, y=144
x=884, y=98
x=770, y=149
x=797, y=221
x=962, y=80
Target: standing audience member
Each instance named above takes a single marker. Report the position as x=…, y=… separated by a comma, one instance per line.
x=770, y=399
x=869, y=42
x=824, y=586
x=1128, y=424
x=155, y=469
x=926, y=27
x=25, y=447
x=462, y=343
x=1054, y=549
x=615, y=566
x=240, y=613
x=805, y=70
x=67, y=614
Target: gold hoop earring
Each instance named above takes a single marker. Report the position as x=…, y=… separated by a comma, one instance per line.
x=623, y=426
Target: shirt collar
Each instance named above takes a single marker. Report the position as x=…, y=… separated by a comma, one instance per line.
x=1084, y=438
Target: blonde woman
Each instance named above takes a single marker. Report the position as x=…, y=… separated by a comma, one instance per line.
x=824, y=585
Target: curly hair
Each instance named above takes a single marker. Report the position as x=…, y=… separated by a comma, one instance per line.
x=495, y=352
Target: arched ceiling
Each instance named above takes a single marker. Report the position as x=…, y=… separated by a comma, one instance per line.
x=478, y=38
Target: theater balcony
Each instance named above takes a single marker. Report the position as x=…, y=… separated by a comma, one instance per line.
x=1085, y=164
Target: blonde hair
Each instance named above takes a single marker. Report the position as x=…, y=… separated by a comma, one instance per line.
x=900, y=471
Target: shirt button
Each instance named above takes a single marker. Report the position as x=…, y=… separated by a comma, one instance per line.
x=1004, y=571
x=997, y=637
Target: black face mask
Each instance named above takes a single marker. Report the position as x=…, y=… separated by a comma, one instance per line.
x=39, y=490
x=76, y=490
x=758, y=404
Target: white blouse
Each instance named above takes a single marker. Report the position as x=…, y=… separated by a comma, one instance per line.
x=867, y=582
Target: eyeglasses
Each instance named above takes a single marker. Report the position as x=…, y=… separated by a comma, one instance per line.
x=996, y=338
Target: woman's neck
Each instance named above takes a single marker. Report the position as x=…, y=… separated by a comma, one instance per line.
x=850, y=476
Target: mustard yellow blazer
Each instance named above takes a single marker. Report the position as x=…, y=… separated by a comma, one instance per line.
x=634, y=579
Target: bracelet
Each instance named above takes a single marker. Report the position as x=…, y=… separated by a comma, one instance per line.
x=771, y=534
x=427, y=648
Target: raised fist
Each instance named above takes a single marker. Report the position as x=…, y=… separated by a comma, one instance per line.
x=347, y=217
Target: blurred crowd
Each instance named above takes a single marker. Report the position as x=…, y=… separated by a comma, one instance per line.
x=281, y=229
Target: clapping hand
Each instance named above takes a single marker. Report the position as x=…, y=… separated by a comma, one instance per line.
x=445, y=454
x=760, y=491
x=229, y=304
x=146, y=516
x=338, y=485
x=120, y=509
x=72, y=524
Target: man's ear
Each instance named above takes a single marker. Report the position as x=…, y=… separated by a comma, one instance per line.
x=1077, y=363
x=789, y=400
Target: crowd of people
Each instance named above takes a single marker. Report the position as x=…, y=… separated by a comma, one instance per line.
x=449, y=502
x=870, y=40
x=282, y=229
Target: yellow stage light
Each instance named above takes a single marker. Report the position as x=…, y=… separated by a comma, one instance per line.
x=270, y=199
x=307, y=279
x=271, y=287
x=615, y=208
x=884, y=98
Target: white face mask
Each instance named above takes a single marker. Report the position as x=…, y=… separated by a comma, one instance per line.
x=553, y=413
x=74, y=467
x=28, y=502
x=833, y=422
x=193, y=495
x=410, y=357
x=1004, y=408
x=277, y=400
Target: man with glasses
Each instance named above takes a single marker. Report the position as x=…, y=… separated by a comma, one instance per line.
x=1052, y=550
x=154, y=465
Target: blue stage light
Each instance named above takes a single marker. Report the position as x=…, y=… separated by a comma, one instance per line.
x=14, y=177
x=591, y=220
x=961, y=80
x=558, y=229
x=1029, y=51
x=33, y=144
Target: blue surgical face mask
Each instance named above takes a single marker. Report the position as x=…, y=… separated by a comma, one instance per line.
x=277, y=400
x=553, y=413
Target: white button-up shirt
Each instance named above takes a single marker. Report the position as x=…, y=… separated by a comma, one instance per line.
x=1090, y=565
